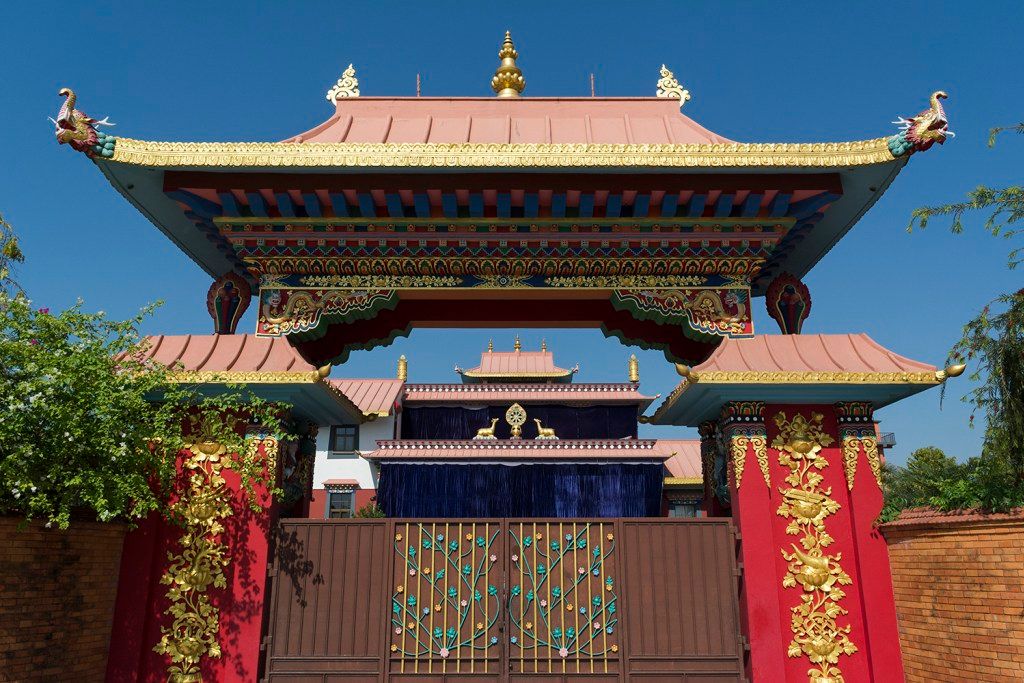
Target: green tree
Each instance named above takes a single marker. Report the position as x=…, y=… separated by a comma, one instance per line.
x=920, y=482
x=993, y=343
x=89, y=427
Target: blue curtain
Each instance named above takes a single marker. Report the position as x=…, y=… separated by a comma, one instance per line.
x=569, y=422
x=527, y=490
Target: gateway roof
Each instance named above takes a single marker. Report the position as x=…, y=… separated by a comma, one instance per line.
x=805, y=368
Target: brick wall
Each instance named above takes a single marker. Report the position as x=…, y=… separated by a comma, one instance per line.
x=959, y=585
x=57, y=591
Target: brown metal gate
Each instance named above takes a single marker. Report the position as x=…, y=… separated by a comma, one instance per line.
x=481, y=601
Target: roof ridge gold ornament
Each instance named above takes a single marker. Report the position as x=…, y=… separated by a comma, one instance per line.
x=403, y=368
x=347, y=86
x=668, y=87
x=508, y=80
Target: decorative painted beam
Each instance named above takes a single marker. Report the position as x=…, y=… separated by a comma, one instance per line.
x=695, y=207
x=780, y=204
x=641, y=205
x=339, y=204
x=421, y=205
x=669, y=204
x=230, y=205
x=394, y=204
x=200, y=206
x=311, y=204
x=723, y=207
x=367, y=207
x=751, y=205
x=257, y=204
x=285, y=205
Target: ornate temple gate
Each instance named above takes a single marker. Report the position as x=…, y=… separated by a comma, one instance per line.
x=504, y=600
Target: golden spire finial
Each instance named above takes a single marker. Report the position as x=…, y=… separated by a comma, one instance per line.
x=347, y=86
x=543, y=344
x=517, y=345
x=508, y=80
x=490, y=345
x=669, y=87
x=403, y=368
x=634, y=369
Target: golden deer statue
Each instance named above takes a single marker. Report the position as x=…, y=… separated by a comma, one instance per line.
x=544, y=432
x=487, y=432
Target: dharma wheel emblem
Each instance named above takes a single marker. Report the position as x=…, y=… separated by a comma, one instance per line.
x=516, y=418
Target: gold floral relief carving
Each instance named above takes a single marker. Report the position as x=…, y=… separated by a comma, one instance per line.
x=851, y=451
x=817, y=633
x=198, y=565
x=202, y=556
x=740, y=442
x=760, y=445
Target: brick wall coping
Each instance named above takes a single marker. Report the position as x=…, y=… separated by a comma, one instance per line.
x=930, y=517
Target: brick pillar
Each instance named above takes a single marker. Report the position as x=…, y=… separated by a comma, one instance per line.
x=817, y=593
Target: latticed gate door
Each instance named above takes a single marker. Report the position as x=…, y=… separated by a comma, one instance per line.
x=504, y=600
x=447, y=613
x=562, y=607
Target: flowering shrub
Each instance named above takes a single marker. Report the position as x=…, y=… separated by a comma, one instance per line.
x=89, y=427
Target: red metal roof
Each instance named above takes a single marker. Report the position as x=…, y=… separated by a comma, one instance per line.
x=807, y=353
x=528, y=120
x=373, y=396
x=516, y=364
x=684, y=459
x=524, y=449
x=226, y=353
x=483, y=393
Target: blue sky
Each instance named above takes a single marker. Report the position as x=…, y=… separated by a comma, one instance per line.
x=758, y=72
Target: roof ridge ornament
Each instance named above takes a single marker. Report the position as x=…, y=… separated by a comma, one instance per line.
x=347, y=85
x=508, y=80
x=669, y=87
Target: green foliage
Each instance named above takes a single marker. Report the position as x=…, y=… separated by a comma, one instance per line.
x=370, y=511
x=992, y=344
x=933, y=479
x=80, y=431
x=10, y=254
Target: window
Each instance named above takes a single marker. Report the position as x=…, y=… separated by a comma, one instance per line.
x=344, y=441
x=339, y=504
x=678, y=508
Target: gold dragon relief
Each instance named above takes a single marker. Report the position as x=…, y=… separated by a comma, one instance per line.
x=817, y=633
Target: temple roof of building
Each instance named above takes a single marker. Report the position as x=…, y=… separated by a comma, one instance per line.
x=483, y=450
x=376, y=397
x=516, y=366
x=271, y=368
x=808, y=368
x=575, y=394
x=529, y=120
x=683, y=465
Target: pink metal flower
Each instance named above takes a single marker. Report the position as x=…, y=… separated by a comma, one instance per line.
x=583, y=570
x=398, y=631
x=543, y=603
x=597, y=625
x=563, y=652
x=494, y=558
x=444, y=652
x=464, y=603
x=412, y=572
x=515, y=558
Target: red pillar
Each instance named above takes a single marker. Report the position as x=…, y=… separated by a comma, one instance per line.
x=142, y=601
x=817, y=593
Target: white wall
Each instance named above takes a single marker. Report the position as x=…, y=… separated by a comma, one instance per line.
x=355, y=467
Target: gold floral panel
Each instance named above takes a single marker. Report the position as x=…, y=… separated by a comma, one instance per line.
x=818, y=633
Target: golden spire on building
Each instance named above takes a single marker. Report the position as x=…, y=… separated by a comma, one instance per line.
x=347, y=86
x=508, y=80
x=517, y=345
x=403, y=368
x=669, y=87
x=634, y=369
x=490, y=345
x=543, y=344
